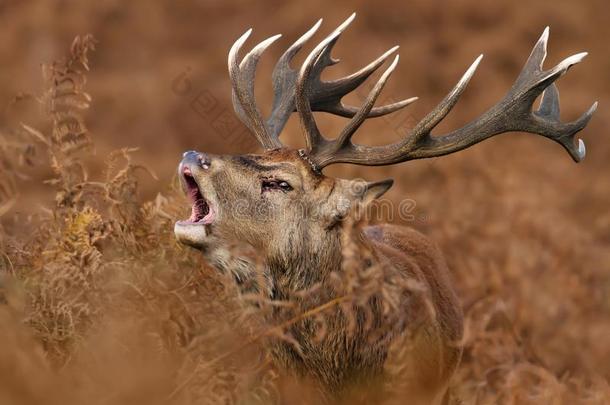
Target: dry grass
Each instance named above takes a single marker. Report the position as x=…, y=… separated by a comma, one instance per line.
x=98, y=304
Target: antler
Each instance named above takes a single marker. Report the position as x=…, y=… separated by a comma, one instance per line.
x=512, y=113
x=306, y=92
x=320, y=95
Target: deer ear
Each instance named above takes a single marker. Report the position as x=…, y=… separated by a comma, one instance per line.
x=348, y=192
x=374, y=190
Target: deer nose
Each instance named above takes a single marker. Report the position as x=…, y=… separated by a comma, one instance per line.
x=192, y=159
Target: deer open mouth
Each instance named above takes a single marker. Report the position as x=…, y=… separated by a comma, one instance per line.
x=201, y=209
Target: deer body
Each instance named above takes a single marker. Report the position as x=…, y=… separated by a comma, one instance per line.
x=280, y=203
x=345, y=359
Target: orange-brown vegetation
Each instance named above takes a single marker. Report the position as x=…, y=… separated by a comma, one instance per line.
x=100, y=305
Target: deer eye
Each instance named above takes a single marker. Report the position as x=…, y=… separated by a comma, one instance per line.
x=270, y=184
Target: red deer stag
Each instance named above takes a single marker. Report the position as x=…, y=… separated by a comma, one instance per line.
x=259, y=199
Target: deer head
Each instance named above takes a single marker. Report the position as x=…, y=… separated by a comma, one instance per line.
x=278, y=198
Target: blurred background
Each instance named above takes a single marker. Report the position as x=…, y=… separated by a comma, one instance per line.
x=525, y=230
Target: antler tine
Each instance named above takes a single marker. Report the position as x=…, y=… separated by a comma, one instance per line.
x=284, y=81
x=303, y=105
x=423, y=128
x=242, y=80
x=349, y=111
x=512, y=113
x=326, y=96
x=536, y=59
x=354, y=124
x=330, y=150
x=234, y=74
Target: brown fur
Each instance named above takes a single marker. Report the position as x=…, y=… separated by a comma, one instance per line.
x=301, y=235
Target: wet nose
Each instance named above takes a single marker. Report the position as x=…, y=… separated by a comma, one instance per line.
x=193, y=158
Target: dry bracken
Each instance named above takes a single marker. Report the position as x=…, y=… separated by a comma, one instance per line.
x=99, y=304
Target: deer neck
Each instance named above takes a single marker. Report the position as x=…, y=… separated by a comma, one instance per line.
x=304, y=260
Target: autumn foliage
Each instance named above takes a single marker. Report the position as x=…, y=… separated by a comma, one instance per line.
x=99, y=304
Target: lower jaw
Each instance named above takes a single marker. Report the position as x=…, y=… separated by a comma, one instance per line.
x=191, y=233
x=188, y=222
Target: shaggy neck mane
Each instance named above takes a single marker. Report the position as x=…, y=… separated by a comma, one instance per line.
x=304, y=261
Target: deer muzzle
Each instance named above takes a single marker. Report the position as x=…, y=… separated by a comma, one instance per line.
x=194, y=230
